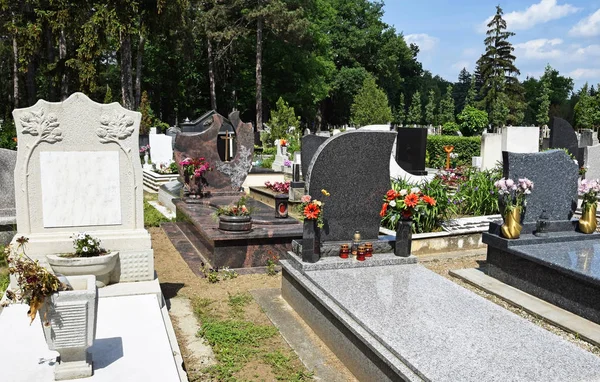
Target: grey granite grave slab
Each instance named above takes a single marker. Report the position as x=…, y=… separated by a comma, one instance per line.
x=592, y=162
x=562, y=136
x=554, y=175
x=8, y=213
x=310, y=144
x=586, y=138
x=354, y=168
x=443, y=332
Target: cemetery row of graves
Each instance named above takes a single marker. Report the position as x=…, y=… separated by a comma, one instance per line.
x=332, y=229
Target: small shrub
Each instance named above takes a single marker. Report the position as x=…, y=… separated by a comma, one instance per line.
x=450, y=128
x=267, y=162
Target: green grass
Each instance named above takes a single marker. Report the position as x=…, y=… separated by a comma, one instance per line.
x=283, y=369
x=153, y=218
x=237, y=302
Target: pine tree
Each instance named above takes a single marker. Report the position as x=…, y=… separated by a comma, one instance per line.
x=500, y=88
x=400, y=114
x=461, y=89
x=414, y=111
x=542, y=116
x=584, y=109
x=472, y=93
x=147, y=114
x=430, y=108
x=370, y=105
x=447, y=107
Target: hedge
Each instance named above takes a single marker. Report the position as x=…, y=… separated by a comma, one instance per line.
x=465, y=147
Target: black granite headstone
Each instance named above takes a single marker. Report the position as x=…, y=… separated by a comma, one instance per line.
x=554, y=175
x=354, y=167
x=410, y=149
x=310, y=144
x=562, y=136
x=199, y=124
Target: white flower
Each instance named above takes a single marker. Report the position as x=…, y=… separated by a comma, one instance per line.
x=90, y=242
x=509, y=183
x=415, y=190
x=84, y=249
x=81, y=236
x=393, y=203
x=403, y=192
x=575, y=160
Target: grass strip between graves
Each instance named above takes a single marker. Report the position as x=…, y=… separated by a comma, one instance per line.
x=238, y=342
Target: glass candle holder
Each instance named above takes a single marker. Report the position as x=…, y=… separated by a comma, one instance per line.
x=344, y=251
x=368, y=249
x=361, y=253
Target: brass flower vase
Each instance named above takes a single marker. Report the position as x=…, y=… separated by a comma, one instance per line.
x=587, y=222
x=511, y=229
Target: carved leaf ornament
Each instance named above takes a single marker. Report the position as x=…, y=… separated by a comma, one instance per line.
x=119, y=127
x=42, y=125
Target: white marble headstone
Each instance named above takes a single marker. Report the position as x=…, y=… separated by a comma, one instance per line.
x=161, y=149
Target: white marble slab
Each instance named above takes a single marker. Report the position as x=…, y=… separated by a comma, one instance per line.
x=161, y=149
x=80, y=188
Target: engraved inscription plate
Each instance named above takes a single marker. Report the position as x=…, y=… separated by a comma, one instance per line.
x=80, y=188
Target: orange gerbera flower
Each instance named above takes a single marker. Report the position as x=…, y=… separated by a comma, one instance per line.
x=311, y=211
x=391, y=195
x=383, y=209
x=411, y=200
x=429, y=200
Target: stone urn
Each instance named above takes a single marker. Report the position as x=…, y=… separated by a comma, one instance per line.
x=69, y=323
x=100, y=266
x=235, y=223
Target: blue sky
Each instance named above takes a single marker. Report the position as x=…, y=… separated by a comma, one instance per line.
x=563, y=33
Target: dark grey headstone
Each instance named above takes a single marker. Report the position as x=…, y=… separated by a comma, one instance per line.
x=354, y=167
x=554, y=175
x=172, y=132
x=8, y=160
x=411, y=148
x=586, y=138
x=199, y=124
x=562, y=136
x=310, y=144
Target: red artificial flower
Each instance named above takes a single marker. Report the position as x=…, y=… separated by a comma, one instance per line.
x=312, y=211
x=411, y=200
x=383, y=209
x=429, y=200
x=391, y=195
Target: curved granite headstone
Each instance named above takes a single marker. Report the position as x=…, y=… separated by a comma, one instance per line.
x=8, y=213
x=354, y=168
x=226, y=177
x=554, y=175
x=562, y=136
x=310, y=144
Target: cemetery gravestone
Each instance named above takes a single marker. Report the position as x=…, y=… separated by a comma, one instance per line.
x=172, y=132
x=521, y=139
x=562, y=136
x=161, y=149
x=280, y=158
x=199, y=124
x=491, y=150
x=310, y=144
x=8, y=160
x=354, y=168
x=78, y=169
x=586, y=138
x=410, y=150
x=226, y=177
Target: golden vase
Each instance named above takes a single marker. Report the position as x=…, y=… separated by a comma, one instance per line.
x=587, y=222
x=511, y=229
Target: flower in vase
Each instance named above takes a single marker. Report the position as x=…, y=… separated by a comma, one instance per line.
x=383, y=209
x=391, y=195
x=429, y=200
x=305, y=199
x=311, y=211
x=411, y=200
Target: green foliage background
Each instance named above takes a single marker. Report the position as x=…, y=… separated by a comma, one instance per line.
x=465, y=147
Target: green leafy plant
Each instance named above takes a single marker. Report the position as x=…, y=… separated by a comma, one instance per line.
x=464, y=147
x=472, y=121
x=476, y=194
x=450, y=128
x=153, y=217
x=282, y=118
x=370, y=105
x=271, y=265
x=267, y=162
x=239, y=208
x=87, y=246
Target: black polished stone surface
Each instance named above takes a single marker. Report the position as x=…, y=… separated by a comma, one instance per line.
x=354, y=168
x=562, y=136
x=410, y=149
x=310, y=144
x=554, y=175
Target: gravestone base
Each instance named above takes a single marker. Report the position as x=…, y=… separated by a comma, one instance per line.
x=8, y=229
x=562, y=268
x=169, y=191
x=153, y=180
x=270, y=236
x=136, y=256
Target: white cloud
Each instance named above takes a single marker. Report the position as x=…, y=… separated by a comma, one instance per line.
x=470, y=52
x=585, y=74
x=542, y=12
x=461, y=64
x=539, y=49
x=587, y=27
x=423, y=40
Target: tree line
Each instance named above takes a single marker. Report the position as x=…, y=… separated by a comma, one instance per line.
x=177, y=59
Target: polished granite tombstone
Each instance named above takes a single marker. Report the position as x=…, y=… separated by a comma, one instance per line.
x=410, y=149
x=199, y=240
x=407, y=323
x=199, y=124
x=310, y=144
x=562, y=136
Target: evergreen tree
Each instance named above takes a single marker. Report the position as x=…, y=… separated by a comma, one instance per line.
x=370, y=105
x=542, y=116
x=414, y=111
x=585, y=109
x=282, y=118
x=461, y=89
x=430, y=108
x=447, y=107
x=472, y=93
x=400, y=114
x=500, y=88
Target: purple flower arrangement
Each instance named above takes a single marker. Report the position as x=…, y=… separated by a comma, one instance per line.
x=513, y=192
x=588, y=190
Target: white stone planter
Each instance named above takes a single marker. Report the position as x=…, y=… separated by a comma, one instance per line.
x=71, y=326
x=100, y=266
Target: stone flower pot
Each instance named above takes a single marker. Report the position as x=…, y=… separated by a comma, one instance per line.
x=235, y=223
x=69, y=322
x=100, y=266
